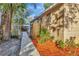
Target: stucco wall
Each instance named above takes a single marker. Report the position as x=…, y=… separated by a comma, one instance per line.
x=71, y=28
x=63, y=23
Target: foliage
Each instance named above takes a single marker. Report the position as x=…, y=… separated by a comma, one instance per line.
x=44, y=35
x=17, y=15
x=60, y=43
x=70, y=43
x=47, y=5
x=17, y=18
x=5, y=7
x=77, y=45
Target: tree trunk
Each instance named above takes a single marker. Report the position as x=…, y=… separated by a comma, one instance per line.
x=0, y=26
x=6, y=34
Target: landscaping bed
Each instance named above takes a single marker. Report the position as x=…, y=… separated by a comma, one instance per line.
x=50, y=48
x=47, y=46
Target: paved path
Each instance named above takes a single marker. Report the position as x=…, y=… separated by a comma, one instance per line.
x=15, y=47
x=10, y=48
x=27, y=47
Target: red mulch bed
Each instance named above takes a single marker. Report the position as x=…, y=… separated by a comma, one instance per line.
x=49, y=48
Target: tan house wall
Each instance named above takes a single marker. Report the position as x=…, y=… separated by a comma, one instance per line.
x=72, y=21
x=52, y=22
x=62, y=23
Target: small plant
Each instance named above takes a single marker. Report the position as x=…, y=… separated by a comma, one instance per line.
x=70, y=42
x=44, y=35
x=77, y=45
x=60, y=43
x=52, y=37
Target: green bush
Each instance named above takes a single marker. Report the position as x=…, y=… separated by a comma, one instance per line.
x=44, y=35
x=60, y=43
x=70, y=43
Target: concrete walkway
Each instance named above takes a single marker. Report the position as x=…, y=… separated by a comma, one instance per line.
x=27, y=47
x=10, y=48
x=18, y=47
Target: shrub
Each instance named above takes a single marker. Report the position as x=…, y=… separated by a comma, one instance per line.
x=60, y=43
x=70, y=43
x=44, y=35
